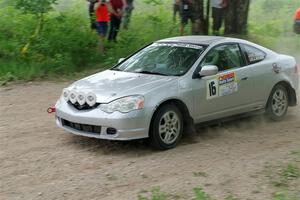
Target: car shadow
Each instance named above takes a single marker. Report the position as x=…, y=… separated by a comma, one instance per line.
x=212, y=130
x=203, y=132
x=134, y=147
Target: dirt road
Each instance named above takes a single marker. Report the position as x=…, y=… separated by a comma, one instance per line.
x=40, y=161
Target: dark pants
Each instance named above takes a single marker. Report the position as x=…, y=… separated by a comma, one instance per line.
x=176, y=9
x=115, y=23
x=217, y=14
x=92, y=16
x=127, y=16
x=297, y=26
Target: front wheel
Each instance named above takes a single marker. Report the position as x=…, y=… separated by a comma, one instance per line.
x=167, y=127
x=278, y=103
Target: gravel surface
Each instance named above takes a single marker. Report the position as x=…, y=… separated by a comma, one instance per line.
x=40, y=161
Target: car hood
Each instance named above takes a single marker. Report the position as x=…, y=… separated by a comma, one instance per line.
x=109, y=85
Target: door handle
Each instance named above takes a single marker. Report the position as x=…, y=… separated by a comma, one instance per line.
x=244, y=78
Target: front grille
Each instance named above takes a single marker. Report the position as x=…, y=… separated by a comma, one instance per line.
x=83, y=107
x=82, y=127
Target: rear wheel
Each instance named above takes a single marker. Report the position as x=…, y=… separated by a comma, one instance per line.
x=278, y=103
x=167, y=127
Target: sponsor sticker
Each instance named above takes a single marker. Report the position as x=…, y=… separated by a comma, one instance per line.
x=212, y=86
x=223, y=85
x=191, y=46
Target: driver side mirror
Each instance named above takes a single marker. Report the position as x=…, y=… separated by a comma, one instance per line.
x=208, y=70
x=121, y=60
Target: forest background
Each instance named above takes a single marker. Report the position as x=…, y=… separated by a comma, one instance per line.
x=55, y=41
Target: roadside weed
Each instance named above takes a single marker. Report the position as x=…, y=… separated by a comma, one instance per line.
x=201, y=195
x=199, y=174
x=156, y=194
x=290, y=172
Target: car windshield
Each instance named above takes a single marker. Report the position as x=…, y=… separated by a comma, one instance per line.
x=169, y=59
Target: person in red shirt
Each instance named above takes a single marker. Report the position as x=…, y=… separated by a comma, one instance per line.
x=115, y=18
x=102, y=11
x=297, y=21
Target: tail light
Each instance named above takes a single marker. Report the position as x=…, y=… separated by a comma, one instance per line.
x=296, y=69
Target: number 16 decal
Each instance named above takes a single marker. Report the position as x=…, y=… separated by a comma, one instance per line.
x=212, y=88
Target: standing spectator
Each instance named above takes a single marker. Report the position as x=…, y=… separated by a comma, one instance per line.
x=115, y=18
x=218, y=7
x=92, y=13
x=102, y=9
x=187, y=13
x=176, y=9
x=297, y=21
x=127, y=14
x=199, y=25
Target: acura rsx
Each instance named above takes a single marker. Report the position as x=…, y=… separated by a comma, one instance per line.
x=172, y=83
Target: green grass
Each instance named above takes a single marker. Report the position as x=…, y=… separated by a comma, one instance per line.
x=201, y=195
x=156, y=194
x=230, y=197
x=67, y=44
x=285, y=178
x=200, y=174
x=285, y=175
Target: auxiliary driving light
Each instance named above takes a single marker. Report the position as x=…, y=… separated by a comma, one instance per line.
x=91, y=99
x=81, y=98
x=73, y=97
x=66, y=94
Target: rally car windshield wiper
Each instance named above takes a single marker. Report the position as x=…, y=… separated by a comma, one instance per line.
x=116, y=69
x=148, y=72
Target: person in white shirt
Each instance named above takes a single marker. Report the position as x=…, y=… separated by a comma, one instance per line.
x=218, y=7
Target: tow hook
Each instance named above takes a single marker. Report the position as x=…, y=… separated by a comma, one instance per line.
x=51, y=110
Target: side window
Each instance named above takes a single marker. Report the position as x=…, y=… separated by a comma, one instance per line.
x=253, y=54
x=224, y=57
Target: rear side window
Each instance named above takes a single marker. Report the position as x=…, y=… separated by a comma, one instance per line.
x=253, y=54
x=225, y=57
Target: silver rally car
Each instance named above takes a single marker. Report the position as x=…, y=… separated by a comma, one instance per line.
x=172, y=83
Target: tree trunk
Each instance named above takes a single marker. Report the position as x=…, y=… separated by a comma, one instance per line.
x=38, y=30
x=236, y=17
x=206, y=30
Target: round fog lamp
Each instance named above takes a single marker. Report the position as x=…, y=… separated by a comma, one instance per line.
x=66, y=94
x=73, y=97
x=81, y=98
x=91, y=99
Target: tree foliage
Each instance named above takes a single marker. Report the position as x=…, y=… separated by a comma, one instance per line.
x=35, y=6
x=38, y=8
x=154, y=2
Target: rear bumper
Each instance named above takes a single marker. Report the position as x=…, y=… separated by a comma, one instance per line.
x=129, y=126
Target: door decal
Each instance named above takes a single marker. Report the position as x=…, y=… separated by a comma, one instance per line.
x=212, y=86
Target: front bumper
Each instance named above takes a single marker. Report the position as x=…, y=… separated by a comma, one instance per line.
x=128, y=126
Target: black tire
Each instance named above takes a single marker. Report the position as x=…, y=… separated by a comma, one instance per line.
x=157, y=138
x=273, y=102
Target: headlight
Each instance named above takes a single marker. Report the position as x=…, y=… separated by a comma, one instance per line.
x=66, y=94
x=124, y=105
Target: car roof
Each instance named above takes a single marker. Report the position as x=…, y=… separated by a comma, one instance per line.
x=212, y=40
x=199, y=40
